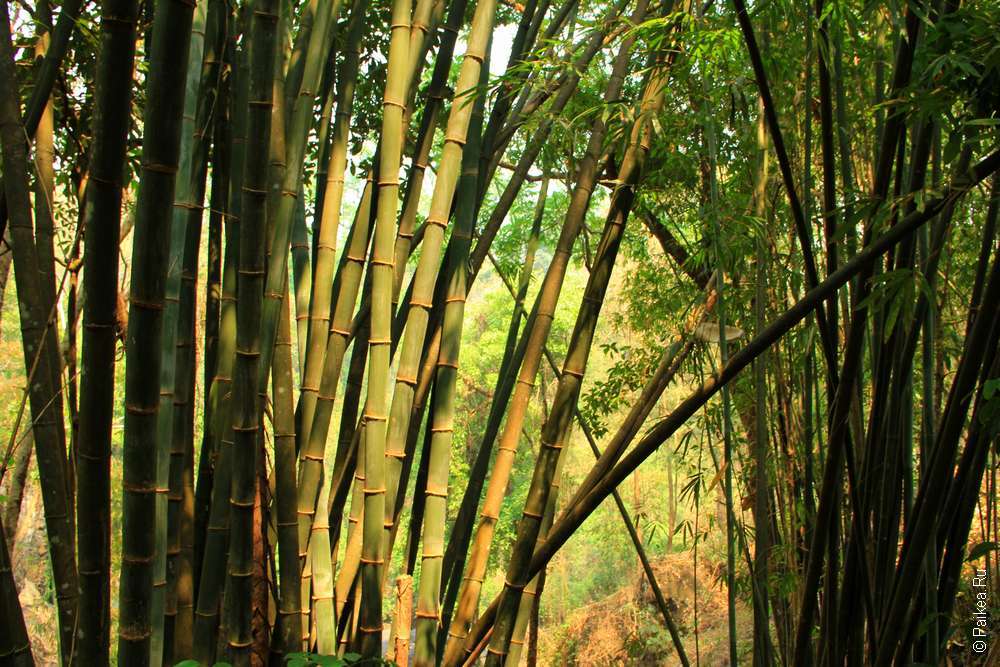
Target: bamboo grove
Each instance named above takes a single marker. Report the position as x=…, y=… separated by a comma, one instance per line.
x=246, y=238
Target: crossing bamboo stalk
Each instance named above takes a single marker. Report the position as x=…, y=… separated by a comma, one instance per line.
x=535, y=335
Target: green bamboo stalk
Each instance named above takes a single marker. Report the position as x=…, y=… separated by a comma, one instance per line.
x=327, y=229
x=246, y=412
x=180, y=573
x=287, y=637
x=381, y=268
x=223, y=154
x=555, y=430
x=535, y=334
x=102, y=222
x=183, y=203
x=442, y=415
x=425, y=278
x=213, y=552
x=143, y=469
x=454, y=558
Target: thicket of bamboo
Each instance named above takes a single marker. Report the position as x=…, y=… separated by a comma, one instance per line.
x=386, y=150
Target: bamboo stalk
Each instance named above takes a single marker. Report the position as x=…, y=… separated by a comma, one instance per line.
x=102, y=222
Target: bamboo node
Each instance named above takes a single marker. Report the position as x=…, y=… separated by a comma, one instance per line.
x=407, y=380
x=371, y=561
x=427, y=614
x=373, y=492
x=438, y=493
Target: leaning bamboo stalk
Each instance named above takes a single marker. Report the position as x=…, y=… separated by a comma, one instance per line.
x=666, y=370
x=42, y=378
x=102, y=222
x=446, y=372
x=574, y=516
x=454, y=558
x=428, y=266
x=246, y=402
x=556, y=428
x=327, y=230
x=535, y=335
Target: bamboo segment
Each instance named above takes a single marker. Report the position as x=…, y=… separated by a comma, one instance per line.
x=399, y=651
x=288, y=635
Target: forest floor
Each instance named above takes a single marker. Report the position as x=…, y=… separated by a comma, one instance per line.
x=626, y=628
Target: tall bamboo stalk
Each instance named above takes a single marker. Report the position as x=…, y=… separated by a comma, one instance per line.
x=446, y=373
x=421, y=301
x=102, y=222
x=161, y=154
x=183, y=203
x=328, y=229
x=246, y=413
x=381, y=267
